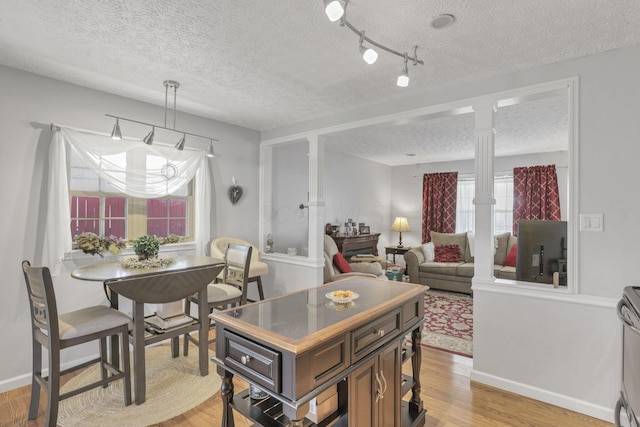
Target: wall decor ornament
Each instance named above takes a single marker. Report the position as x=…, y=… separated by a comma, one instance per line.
x=235, y=191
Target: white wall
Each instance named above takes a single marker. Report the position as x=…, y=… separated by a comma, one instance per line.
x=580, y=334
x=361, y=190
x=28, y=105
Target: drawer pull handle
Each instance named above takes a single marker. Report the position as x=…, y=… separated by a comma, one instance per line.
x=379, y=332
x=245, y=359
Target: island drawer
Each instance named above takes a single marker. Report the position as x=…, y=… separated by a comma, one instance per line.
x=372, y=335
x=258, y=363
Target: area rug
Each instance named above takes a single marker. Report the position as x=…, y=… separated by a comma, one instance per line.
x=174, y=386
x=449, y=322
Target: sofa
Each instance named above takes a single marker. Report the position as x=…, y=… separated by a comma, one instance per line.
x=456, y=275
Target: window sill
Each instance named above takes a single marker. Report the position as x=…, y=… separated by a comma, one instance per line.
x=77, y=254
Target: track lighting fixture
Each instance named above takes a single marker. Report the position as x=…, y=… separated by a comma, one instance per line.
x=337, y=9
x=148, y=139
x=115, y=133
x=333, y=9
x=368, y=54
x=210, y=152
x=403, y=78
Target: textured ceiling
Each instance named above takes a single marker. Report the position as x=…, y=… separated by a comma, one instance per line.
x=264, y=64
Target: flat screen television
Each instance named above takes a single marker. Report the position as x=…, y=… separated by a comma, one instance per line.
x=542, y=251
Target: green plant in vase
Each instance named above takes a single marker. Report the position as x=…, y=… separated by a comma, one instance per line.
x=146, y=246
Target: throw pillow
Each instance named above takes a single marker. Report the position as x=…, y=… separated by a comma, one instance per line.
x=448, y=253
x=341, y=263
x=428, y=250
x=510, y=259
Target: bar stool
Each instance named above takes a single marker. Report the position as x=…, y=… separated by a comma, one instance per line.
x=56, y=332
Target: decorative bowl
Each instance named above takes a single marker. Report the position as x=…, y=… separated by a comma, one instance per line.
x=342, y=296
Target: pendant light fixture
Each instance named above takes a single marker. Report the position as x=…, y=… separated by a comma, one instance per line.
x=149, y=138
x=337, y=9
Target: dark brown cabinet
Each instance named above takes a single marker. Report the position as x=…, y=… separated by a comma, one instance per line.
x=374, y=390
x=361, y=244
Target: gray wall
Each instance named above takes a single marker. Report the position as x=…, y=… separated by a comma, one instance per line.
x=28, y=104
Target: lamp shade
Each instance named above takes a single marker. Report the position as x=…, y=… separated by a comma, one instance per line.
x=400, y=224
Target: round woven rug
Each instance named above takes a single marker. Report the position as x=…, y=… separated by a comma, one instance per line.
x=174, y=386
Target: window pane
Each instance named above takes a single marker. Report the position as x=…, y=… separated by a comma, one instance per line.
x=156, y=208
x=178, y=208
x=115, y=227
x=84, y=225
x=114, y=207
x=157, y=227
x=115, y=216
x=178, y=227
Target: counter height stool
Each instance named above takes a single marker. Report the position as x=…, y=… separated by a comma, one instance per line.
x=230, y=293
x=257, y=268
x=56, y=332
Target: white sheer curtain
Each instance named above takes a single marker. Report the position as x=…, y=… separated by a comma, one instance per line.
x=133, y=168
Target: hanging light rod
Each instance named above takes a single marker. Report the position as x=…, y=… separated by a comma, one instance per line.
x=118, y=118
x=335, y=8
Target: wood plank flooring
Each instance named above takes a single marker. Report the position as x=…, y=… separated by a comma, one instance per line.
x=450, y=398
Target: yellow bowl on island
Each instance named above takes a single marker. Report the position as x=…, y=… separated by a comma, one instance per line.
x=342, y=296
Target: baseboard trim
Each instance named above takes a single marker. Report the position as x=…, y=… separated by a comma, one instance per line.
x=545, y=396
x=25, y=379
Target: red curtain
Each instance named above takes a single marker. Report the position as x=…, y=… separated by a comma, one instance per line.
x=535, y=194
x=439, y=192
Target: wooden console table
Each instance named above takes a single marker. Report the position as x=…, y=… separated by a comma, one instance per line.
x=362, y=243
x=299, y=345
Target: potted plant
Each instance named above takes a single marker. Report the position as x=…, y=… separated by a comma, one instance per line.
x=146, y=246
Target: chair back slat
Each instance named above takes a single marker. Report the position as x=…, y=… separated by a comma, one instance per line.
x=44, y=312
x=237, y=258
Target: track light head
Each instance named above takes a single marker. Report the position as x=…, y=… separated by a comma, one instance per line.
x=403, y=78
x=115, y=133
x=210, y=152
x=368, y=54
x=333, y=9
x=149, y=138
x=180, y=144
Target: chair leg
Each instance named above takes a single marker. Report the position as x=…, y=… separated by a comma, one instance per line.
x=35, y=385
x=126, y=363
x=53, y=400
x=185, y=341
x=103, y=360
x=260, y=290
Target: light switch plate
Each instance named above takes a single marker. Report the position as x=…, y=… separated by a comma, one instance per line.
x=591, y=222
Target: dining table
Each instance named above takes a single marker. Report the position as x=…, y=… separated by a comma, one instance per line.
x=185, y=276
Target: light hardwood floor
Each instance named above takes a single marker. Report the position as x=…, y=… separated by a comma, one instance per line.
x=450, y=398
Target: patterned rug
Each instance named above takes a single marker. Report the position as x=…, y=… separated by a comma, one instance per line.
x=449, y=322
x=173, y=387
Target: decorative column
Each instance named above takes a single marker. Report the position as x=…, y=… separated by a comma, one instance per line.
x=316, y=198
x=484, y=201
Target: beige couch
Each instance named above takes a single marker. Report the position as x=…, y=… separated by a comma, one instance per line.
x=456, y=276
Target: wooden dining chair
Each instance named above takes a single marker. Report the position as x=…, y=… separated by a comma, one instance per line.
x=57, y=332
x=231, y=292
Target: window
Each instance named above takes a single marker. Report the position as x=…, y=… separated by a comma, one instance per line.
x=503, y=209
x=99, y=208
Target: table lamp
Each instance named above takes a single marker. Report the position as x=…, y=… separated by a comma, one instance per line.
x=400, y=224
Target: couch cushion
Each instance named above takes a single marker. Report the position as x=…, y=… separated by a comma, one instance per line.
x=428, y=250
x=510, y=259
x=467, y=269
x=440, y=239
x=341, y=263
x=447, y=253
x=468, y=253
x=448, y=268
x=502, y=241
x=507, y=273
